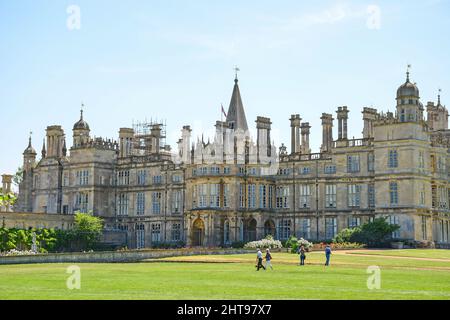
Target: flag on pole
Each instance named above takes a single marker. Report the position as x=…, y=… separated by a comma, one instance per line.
x=223, y=111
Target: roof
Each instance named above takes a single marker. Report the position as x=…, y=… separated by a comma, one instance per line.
x=236, y=113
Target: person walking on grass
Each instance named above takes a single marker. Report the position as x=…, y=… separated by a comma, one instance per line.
x=259, y=259
x=268, y=259
x=327, y=254
x=302, y=253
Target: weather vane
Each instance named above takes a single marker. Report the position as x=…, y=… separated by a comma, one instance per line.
x=236, y=70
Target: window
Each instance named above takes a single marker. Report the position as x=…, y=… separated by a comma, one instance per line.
x=81, y=202
x=140, y=203
x=202, y=195
x=141, y=177
x=354, y=195
x=306, y=170
x=83, y=177
x=284, y=229
x=241, y=196
x=176, y=178
x=354, y=222
x=251, y=195
x=393, y=193
x=226, y=195
x=353, y=163
x=283, y=171
x=282, y=195
x=393, y=159
x=395, y=220
x=156, y=232
x=305, y=228
x=422, y=195
x=215, y=170
x=330, y=196
x=253, y=171
x=421, y=160
x=330, y=227
x=176, y=232
x=424, y=228
x=140, y=236
x=156, y=202
x=214, y=199
x=226, y=170
x=371, y=195
x=443, y=196
x=305, y=196
x=157, y=179
x=123, y=178
x=122, y=204
x=331, y=169
x=66, y=180
x=370, y=162
x=262, y=196
x=271, y=197
x=176, y=201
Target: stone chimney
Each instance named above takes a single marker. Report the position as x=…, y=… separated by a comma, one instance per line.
x=295, y=133
x=342, y=117
x=305, y=129
x=327, y=132
x=369, y=116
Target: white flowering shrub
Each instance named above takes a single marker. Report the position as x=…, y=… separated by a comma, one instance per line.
x=263, y=244
x=304, y=243
x=14, y=252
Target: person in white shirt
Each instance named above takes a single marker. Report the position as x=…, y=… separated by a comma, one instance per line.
x=259, y=259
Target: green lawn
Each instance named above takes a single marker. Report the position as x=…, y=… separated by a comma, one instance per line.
x=234, y=277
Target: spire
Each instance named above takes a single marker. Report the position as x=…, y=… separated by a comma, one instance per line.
x=29, y=139
x=236, y=116
x=64, y=148
x=43, y=152
x=81, y=111
x=439, y=97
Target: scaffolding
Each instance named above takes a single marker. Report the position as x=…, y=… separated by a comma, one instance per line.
x=149, y=136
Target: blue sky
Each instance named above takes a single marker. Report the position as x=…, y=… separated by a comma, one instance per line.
x=174, y=60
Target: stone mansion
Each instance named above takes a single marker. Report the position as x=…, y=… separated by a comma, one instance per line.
x=233, y=188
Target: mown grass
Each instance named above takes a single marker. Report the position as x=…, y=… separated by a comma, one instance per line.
x=234, y=277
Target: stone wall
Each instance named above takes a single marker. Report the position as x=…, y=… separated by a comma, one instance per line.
x=25, y=220
x=115, y=256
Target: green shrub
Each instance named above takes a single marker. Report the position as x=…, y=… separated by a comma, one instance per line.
x=377, y=233
x=345, y=235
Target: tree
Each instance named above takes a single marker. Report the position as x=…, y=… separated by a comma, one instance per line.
x=377, y=233
x=87, y=230
x=345, y=235
x=18, y=176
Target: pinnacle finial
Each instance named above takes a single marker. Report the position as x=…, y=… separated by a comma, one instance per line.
x=29, y=139
x=81, y=111
x=236, y=70
x=439, y=96
x=408, y=69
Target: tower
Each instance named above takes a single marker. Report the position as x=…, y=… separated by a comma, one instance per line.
x=80, y=132
x=408, y=101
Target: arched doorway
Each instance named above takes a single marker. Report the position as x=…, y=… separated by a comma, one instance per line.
x=198, y=232
x=269, y=228
x=250, y=230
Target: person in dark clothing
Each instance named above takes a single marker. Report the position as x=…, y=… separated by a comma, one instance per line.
x=302, y=253
x=259, y=259
x=327, y=255
x=268, y=259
